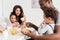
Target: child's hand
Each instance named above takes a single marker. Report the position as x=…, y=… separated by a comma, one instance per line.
x=43, y=23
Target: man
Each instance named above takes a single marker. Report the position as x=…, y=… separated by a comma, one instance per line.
x=56, y=35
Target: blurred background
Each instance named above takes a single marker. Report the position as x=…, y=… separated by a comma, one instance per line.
x=34, y=14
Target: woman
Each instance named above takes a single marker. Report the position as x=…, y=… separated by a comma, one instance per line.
x=18, y=11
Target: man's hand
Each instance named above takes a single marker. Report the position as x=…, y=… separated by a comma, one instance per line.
x=28, y=33
x=25, y=31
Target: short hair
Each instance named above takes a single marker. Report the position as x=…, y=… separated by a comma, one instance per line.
x=53, y=13
x=42, y=2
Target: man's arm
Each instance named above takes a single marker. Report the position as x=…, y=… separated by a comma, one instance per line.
x=29, y=24
x=55, y=36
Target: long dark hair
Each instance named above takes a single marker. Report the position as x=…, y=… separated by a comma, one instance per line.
x=21, y=14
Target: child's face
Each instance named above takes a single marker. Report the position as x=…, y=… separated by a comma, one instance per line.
x=47, y=20
x=13, y=18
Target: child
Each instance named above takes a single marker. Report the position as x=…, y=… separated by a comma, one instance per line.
x=14, y=31
x=14, y=21
x=47, y=26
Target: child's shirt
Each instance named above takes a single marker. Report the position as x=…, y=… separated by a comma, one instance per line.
x=46, y=29
x=16, y=24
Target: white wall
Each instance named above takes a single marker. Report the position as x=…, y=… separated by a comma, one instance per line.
x=33, y=15
x=0, y=8
x=57, y=4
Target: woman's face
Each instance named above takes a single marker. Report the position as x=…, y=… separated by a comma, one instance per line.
x=17, y=11
x=13, y=18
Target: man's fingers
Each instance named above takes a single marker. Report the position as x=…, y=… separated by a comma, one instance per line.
x=25, y=31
